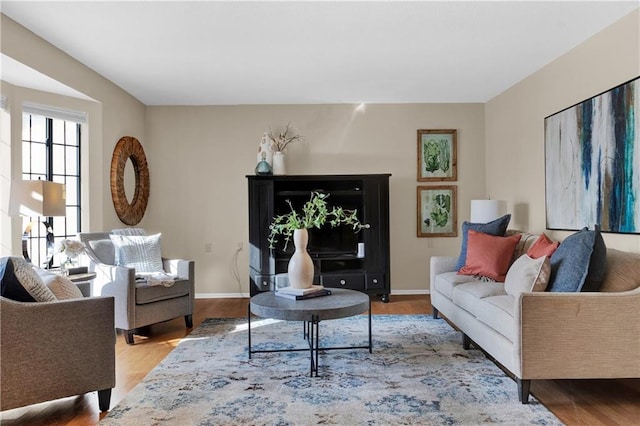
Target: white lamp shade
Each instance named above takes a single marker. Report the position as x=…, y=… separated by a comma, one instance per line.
x=37, y=198
x=484, y=211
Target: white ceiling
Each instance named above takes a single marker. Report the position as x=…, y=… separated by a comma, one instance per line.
x=229, y=53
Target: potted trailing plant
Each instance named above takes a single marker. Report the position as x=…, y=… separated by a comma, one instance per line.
x=315, y=213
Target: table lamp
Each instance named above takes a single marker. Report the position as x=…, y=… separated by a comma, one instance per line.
x=484, y=211
x=37, y=198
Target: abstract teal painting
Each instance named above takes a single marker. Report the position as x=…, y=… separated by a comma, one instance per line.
x=592, y=163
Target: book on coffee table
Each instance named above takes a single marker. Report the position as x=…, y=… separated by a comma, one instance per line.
x=301, y=291
x=317, y=293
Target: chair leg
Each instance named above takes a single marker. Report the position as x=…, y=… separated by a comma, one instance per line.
x=104, y=399
x=434, y=311
x=128, y=337
x=188, y=320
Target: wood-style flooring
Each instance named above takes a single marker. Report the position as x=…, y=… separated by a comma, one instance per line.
x=574, y=402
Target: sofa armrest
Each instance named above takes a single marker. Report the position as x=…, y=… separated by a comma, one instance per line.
x=56, y=349
x=593, y=335
x=438, y=265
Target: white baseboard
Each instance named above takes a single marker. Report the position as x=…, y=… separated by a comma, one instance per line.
x=246, y=295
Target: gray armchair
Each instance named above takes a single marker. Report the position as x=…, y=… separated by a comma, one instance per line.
x=136, y=304
x=53, y=350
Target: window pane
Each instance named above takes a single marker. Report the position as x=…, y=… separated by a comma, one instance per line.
x=71, y=132
x=26, y=156
x=72, y=160
x=72, y=191
x=26, y=127
x=59, y=228
x=72, y=221
x=38, y=129
x=38, y=158
x=58, y=159
x=58, y=131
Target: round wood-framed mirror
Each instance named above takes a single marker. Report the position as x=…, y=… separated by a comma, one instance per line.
x=129, y=148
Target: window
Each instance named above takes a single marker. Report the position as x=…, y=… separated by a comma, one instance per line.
x=51, y=151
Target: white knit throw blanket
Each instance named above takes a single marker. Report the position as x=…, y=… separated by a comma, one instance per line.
x=156, y=278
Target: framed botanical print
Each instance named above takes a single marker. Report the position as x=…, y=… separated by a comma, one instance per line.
x=437, y=211
x=437, y=155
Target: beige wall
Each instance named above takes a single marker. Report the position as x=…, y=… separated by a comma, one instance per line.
x=199, y=156
x=515, y=120
x=114, y=114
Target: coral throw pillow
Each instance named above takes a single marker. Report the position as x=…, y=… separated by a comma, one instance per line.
x=489, y=256
x=543, y=246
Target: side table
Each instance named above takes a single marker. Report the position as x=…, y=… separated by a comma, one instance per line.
x=83, y=282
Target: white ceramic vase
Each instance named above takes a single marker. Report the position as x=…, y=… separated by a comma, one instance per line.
x=278, y=163
x=300, y=266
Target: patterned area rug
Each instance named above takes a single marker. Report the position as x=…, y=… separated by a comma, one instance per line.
x=418, y=374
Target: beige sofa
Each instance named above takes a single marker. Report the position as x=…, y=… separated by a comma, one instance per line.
x=545, y=335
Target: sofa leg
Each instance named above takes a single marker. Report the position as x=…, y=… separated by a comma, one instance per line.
x=434, y=312
x=128, y=337
x=466, y=342
x=104, y=399
x=523, y=390
x=188, y=320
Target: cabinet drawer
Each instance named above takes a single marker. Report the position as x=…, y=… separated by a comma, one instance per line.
x=350, y=281
x=375, y=282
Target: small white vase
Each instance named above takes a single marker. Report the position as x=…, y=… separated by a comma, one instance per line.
x=300, y=266
x=278, y=163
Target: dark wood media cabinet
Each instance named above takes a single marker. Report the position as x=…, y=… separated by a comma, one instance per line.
x=334, y=250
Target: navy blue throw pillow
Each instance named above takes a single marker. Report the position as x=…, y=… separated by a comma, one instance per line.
x=570, y=263
x=497, y=228
x=597, y=263
x=10, y=287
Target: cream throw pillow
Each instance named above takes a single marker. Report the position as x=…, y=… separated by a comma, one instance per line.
x=62, y=287
x=139, y=252
x=527, y=275
x=31, y=281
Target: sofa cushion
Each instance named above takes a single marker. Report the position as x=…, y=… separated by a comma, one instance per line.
x=526, y=241
x=141, y=252
x=623, y=271
x=496, y=227
x=543, y=246
x=150, y=294
x=570, y=262
x=468, y=296
x=104, y=250
x=20, y=282
x=488, y=255
x=527, y=274
x=497, y=312
x=447, y=281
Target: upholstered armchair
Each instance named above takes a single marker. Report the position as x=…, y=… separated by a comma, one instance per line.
x=138, y=304
x=56, y=349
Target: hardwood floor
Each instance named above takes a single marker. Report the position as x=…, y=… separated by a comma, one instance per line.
x=574, y=402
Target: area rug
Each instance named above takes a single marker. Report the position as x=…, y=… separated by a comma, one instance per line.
x=418, y=373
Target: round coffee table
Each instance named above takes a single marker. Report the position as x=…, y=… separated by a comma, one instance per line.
x=341, y=303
